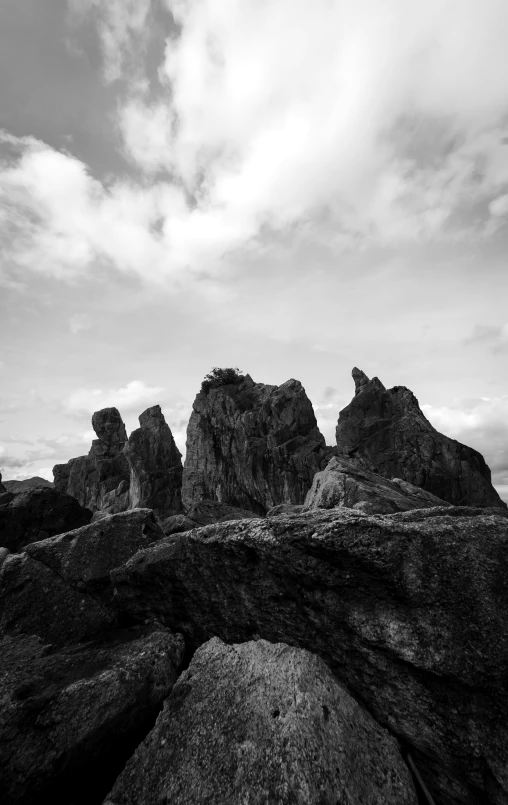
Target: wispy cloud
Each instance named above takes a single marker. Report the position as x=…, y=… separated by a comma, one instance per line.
x=131, y=397
x=494, y=336
x=79, y=322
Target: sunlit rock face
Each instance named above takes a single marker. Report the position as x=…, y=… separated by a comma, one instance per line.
x=387, y=429
x=251, y=445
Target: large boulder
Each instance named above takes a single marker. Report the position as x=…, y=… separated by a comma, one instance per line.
x=100, y=481
x=251, y=445
x=70, y=718
x=345, y=483
x=387, y=429
x=409, y=610
x=36, y=514
x=267, y=723
x=155, y=466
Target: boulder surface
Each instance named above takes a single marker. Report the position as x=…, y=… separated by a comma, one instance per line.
x=251, y=446
x=409, y=610
x=388, y=430
x=70, y=718
x=267, y=723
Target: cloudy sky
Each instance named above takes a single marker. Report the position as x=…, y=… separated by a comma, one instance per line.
x=288, y=188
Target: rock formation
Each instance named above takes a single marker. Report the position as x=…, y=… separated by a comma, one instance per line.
x=344, y=483
x=155, y=466
x=263, y=723
x=387, y=429
x=69, y=718
x=251, y=446
x=408, y=610
x=2, y=487
x=36, y=514
x=27, y=483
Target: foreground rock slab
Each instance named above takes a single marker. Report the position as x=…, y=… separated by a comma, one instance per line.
x=263, y=723
x=36, y=514
x=69, y=719
x=409, y=610
x=344, y=483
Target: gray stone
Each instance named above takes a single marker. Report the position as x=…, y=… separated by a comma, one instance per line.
x=263, y=723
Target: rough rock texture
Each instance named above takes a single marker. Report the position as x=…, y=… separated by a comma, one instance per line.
x=84, y=558
x=27, y=483
x=252, y=446
x=204, y=512
x=387, y=428
x=36, y=514
x=346, y=484
x=286, y=508
x=100, y=480
x=69, y=719
x=263, y=723
x=409, y=610
x=155, y=466
x=2, y=486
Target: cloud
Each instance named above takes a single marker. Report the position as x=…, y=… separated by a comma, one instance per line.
x=495, y=336
x=79, y=322
x=362, y=122
x=133, y=397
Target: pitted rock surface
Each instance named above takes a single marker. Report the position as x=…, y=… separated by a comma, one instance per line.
x=388, y=430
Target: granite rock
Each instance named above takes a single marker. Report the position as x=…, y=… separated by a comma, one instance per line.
x=343, y=483
x=388, y=430
x=263, y=723
x=251, y=446
x=408, y=610
x=69, y=718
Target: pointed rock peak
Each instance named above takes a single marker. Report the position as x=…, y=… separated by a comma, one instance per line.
x=109, y=426
x=152, y=418
x=360, y=379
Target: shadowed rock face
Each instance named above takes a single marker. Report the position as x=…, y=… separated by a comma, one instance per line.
x=387, y=429
x=155, y=466
x=343, y=483
x=100, y=480
x=409, y=610
x=252, y=446
x=267, y=723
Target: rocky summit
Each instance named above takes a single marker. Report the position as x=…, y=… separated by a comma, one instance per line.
x=277, y=623
x=388, y=430
x=252, y=446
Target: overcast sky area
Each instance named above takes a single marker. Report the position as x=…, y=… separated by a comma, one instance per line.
x=291, y=188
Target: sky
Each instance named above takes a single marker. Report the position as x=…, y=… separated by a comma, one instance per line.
x=286, y=188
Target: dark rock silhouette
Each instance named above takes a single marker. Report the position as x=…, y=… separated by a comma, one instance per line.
x=36, y=514
x=100, y=480
x=155, y=466
x=251, y=446
x=27, y=483
x=267, y=723
x=70, y=718
x=2, y=486
x=409, y=610
x=387, y=429
x=345, y=483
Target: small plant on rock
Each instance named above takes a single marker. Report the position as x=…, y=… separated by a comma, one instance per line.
x=221, y=377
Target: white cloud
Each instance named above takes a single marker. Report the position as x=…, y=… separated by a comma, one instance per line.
x=79, y=322
x=131, y=397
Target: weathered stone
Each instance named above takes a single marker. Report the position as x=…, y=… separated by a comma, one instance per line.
x=387, y=429
x=206, y=512
x=176, y=524
x=2, y=486
x=251, y=446
x=343, y=483
x=263, y=723
x=409, y=610
x=286, y=508
x=36, y=514
x=4, y=553
x=34, y=600
x=155, y=466
x=69, y=719
x=85, y=557
x=100, y=480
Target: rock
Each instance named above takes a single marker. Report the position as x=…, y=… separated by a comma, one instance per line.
x=36, y=514
x=205, y=512
x=155, y=466
x=27, y=483
x=2, y=486
x=34, y=600
x=85, y=557
x=251, y=446
x=267, y=723
x=346, y=484
x=4, y=553
x=387, y=429
x=409, y=610
x=285, y=508
x=176, y=524
x=100, y=480
x=69, y=719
